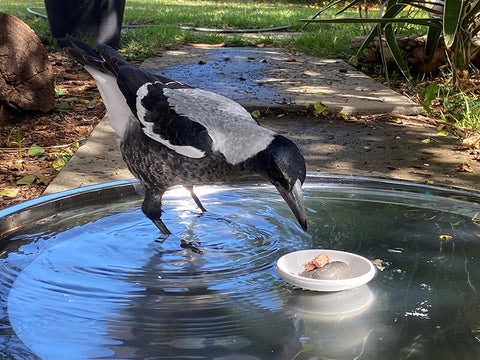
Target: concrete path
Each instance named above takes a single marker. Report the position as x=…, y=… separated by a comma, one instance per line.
x=258, y=78
x=273, y=78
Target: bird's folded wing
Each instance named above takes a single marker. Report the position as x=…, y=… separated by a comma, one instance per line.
x=202, y=119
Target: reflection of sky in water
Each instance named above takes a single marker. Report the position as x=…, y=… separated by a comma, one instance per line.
x=105, y=285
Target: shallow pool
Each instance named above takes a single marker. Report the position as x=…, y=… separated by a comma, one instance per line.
x=85, y=275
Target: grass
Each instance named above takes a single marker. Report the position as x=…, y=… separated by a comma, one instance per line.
x=166, y=15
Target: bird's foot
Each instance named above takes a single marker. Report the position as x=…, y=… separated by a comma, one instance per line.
x=191, y=245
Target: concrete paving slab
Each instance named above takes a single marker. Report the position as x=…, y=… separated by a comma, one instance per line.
x=258, y=78
x=274, y=78
x=97, y=161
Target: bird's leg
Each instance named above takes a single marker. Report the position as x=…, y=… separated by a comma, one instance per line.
x=195, y=198
x=152, y=208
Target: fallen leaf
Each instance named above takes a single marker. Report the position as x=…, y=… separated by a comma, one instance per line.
x=445, y=237
x=280, y=115
x=40, y=179
x=26, y=180
x=251, y=58
x=35, y=150
x=59, y=163
x=63, y=105
x=319, y=93
x=379, y=264
x=256, y=114
x=465, y=168
x=9, y=192
x=396, y=120
x=471, y=141
x=442, y=133
x=427, y=141
x=290, y=59
x=319, y=108
x=201, y=45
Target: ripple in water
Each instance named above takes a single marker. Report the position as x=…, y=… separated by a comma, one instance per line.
x=101, y=283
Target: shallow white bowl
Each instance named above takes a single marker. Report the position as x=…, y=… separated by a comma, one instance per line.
x=289, y=267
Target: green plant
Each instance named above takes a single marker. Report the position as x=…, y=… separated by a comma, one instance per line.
x=19, y=143
x=457, y=25
x=464, y=110
x=430, y=94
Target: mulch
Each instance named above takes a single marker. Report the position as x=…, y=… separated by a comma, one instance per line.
x=34, y=146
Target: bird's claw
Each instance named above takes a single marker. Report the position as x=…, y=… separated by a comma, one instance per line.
x=190, y=245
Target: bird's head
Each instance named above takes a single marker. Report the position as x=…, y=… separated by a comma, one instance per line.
x=283, y=165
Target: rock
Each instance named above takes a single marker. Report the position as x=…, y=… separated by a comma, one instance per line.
x=335, y=270
x=26, y=76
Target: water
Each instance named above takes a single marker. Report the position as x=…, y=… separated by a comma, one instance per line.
x=99, y=282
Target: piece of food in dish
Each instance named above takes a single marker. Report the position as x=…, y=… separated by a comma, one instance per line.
x=320, y=261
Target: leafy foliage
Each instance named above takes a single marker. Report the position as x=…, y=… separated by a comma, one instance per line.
x=454, y=21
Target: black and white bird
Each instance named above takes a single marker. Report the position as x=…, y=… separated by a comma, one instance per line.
x=173, y=134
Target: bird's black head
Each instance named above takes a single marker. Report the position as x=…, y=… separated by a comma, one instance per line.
x=283, y=165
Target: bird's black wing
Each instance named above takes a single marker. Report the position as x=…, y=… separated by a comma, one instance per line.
x=144, y=93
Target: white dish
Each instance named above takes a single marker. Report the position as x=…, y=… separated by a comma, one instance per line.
x=289, y=267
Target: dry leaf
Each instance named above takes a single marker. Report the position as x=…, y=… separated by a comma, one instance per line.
x=471, y=141
x=379, y=264
x=465, y=168
x=9, y=192
x=290, y=59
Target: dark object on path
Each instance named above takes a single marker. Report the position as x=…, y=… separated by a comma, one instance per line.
x=97, y=20
x=26, y=76
x=173, y=134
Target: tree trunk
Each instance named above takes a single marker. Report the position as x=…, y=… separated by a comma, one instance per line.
x=26, y=76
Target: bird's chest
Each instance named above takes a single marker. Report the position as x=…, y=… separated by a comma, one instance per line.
x=156, y=165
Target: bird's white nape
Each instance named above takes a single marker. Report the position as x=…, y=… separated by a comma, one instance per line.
x=117, y=109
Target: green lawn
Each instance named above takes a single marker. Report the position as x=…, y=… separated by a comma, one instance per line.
x=323, y=40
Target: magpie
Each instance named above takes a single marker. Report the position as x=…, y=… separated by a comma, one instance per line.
x=173, y=134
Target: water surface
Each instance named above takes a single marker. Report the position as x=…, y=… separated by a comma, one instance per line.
x=100, y=282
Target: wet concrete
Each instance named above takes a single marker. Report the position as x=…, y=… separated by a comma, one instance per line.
x=274, y=78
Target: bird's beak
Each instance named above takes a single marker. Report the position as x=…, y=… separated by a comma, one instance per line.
x=294, y=199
